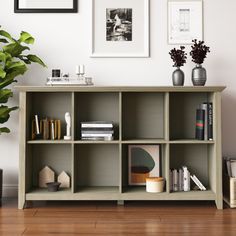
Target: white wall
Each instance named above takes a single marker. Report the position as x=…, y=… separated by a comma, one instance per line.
x=63, y=41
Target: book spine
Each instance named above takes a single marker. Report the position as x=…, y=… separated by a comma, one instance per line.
x=200, y=116
x=204, y=107
x=91, y=125
x=175, y=180
x=186, y=179
x=37, y=124
x=194, y=180
x=96, y=132
x=180, y=180
x=97, y=129
x=171, y=181
x=210, y=121
x=200, y=183
x=96, y=135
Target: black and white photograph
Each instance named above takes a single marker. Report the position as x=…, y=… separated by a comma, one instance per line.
x=119, y=24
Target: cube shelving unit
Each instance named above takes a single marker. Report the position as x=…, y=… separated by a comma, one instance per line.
x=141, y=115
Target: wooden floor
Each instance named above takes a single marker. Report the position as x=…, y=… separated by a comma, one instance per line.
x=106, y=218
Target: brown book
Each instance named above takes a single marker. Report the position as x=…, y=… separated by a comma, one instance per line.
x=58, y=129
x=45, y=129
x=33, y=130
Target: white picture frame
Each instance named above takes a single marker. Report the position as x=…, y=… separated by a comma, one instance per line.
x=185, y=21
x=103, y=46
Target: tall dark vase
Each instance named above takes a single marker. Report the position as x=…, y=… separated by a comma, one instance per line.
x=178, y=77
x=199, y=75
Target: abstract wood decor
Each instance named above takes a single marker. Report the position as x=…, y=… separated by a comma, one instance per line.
x=46, y=175
x=64, y=179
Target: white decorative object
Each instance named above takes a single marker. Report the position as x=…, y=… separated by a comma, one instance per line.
x=185, y=21
x=120, y=28
x=46, y=175
x=155, y=185
x=68, y=126
x=64, y=179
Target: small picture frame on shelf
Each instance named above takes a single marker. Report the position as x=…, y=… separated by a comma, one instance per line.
x=143, y=162
x=185, y=21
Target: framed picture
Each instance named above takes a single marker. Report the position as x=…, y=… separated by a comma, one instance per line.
x=120, y=28
x=46, y=6
x=185, y=21
x=143, y=162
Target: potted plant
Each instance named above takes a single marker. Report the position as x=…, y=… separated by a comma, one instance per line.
x=198, y=53
x=13, y=62
x=179, y=57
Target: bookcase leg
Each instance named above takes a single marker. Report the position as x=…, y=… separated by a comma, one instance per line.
x=219, y=204
x=21, y=205
x=120, y=202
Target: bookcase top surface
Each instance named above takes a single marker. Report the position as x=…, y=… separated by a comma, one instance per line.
x=120, y=88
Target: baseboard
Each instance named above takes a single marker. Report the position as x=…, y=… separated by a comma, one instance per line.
x=10, y=190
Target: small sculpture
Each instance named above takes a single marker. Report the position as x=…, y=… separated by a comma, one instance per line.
x=46, y=175
x=68, y=126
x=64, y=179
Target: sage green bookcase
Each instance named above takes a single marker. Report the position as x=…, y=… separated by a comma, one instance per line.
x=142, y=115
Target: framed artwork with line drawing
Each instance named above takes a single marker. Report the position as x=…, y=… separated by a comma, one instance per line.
x=120, y=28
x=185, y=21
x=143, y=162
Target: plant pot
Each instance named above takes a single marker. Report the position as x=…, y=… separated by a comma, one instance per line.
x=199, y=75
x=53, y=186
x=178, y=77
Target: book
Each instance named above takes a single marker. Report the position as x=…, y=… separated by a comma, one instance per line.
x=199, y=183
x=98, y=138
x=204, y=107
x=210, y=121
x=97, y=132
x=233, y=168
x=195, y=181
x=97, y=124
x=171, y=180
x=175, y=180
x=96, y=135
x=186, y=179
x=200, y=116
x=37, y=124
x=181, y=187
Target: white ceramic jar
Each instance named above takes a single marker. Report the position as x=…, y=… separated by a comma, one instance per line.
x=155, y=184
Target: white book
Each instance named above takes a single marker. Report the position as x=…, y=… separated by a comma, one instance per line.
x=96, y=135
x=186, y=181
x=37, y=124
x=175, y=181
x=195, y=181
x=200, y=183
x=96, y=125
x=233, y=168
x=181, y=187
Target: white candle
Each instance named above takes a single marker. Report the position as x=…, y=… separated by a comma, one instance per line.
x=82, y=69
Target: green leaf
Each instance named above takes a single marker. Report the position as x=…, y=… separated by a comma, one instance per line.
x=9, y=80
x=15, y=49
x=4, y=130
x=6, y=34
x=2, y=73
x=5, y=94
x=26, y=38
x=3, y=41
x=36, y=59
x=3, y=57
x=4, y=113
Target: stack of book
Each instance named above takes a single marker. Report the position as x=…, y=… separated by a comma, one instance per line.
x=204, y=121
x=180, y=180
x=97, y=130
x=45, y=128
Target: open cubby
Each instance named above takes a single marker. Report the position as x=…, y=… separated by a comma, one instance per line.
x=57, y=157
x=195, y=156
x=48, y=105
x=183, y=108
x=142, y=116
x=97, y=166
x=96, y=107
x=162, y=116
